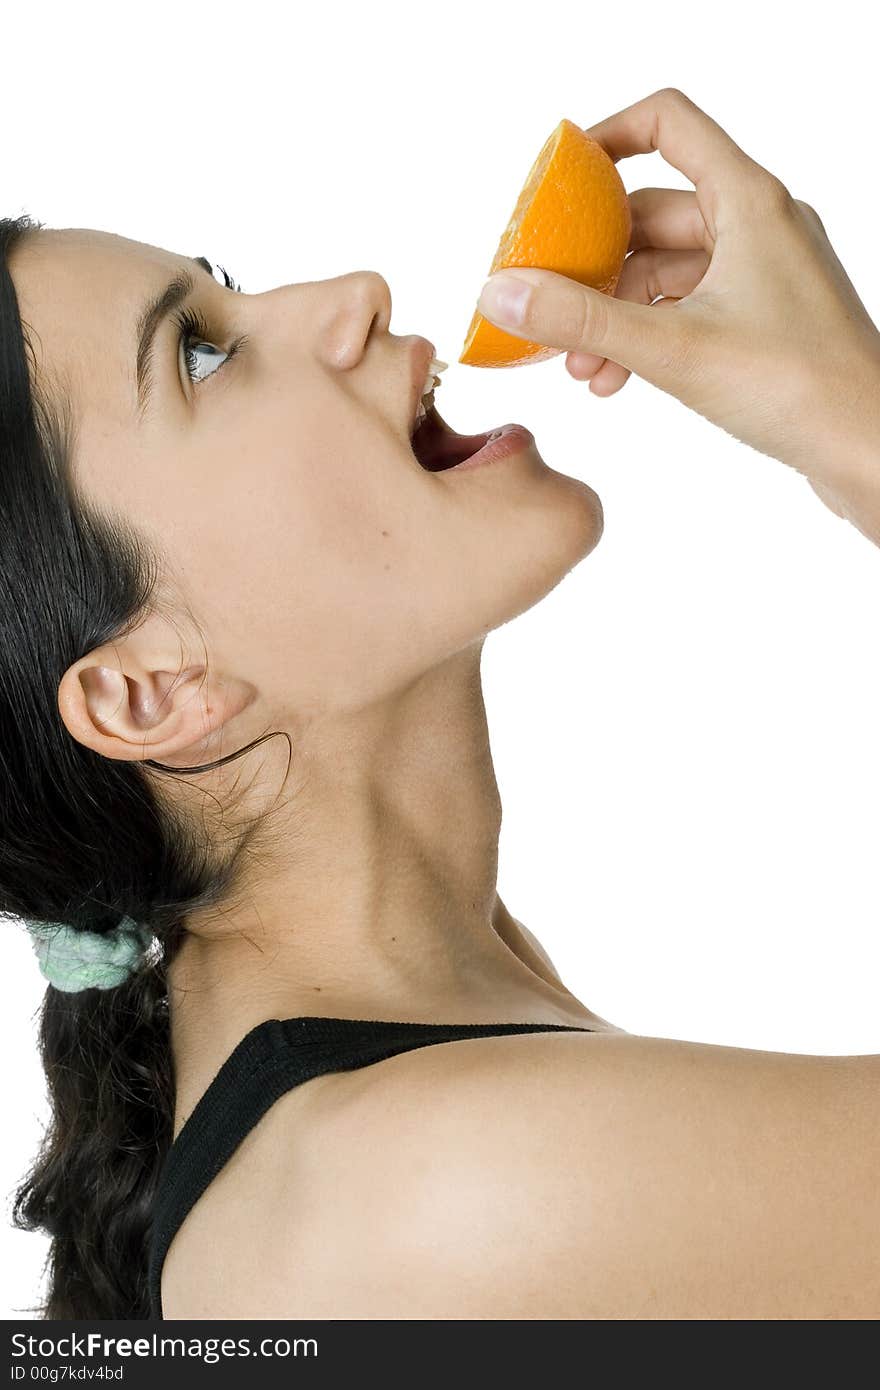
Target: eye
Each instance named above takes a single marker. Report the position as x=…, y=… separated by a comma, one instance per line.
x=193, y=340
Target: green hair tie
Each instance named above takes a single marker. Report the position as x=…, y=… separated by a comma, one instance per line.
x=73, y=960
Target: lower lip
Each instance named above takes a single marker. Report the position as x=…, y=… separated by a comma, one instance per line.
x=509, y=440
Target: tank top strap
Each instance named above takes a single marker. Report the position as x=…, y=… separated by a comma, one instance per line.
x=271, y=1059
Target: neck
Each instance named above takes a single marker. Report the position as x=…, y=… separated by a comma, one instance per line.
x=381, y=899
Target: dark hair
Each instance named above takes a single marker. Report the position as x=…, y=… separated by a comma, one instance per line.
x=86, y=840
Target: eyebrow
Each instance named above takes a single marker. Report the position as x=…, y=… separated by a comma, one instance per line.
x=153, y=314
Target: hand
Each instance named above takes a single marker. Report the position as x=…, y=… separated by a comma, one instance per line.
x=757, y=326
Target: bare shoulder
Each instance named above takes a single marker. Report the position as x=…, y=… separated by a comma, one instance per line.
x=567, y=1175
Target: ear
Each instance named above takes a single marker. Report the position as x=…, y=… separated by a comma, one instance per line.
x=131, y=700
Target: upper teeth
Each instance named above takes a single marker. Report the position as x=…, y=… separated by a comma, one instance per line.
x=432, y=379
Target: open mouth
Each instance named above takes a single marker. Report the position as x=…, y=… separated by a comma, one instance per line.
x=437, y=446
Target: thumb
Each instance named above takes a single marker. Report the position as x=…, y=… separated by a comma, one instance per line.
x=553, y=310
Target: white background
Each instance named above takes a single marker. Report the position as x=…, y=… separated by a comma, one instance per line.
x=687, y=730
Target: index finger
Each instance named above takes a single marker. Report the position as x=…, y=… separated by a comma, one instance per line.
x=686, y=137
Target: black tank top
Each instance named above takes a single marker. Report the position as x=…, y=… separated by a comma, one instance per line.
x=270, y=1060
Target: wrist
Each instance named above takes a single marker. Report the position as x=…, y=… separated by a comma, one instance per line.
x=838, y=448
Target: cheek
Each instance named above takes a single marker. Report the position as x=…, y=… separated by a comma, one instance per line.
x=357, y=502
x=352, y=600
x=331, y=554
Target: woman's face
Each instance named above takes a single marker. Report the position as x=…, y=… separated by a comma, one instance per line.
x=324, y=564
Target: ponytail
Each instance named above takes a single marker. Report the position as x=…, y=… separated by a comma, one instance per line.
x=107, y=1057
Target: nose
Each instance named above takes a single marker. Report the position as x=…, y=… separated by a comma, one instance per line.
x=355, y=305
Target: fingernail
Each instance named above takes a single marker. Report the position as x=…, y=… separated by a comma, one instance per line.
x=503, y=299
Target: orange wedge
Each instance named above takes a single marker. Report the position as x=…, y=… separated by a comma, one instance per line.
x=573, y=217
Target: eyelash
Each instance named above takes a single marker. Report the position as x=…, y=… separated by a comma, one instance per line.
x=191, y=325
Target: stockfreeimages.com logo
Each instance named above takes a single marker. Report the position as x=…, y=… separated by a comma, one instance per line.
x=95, y=1346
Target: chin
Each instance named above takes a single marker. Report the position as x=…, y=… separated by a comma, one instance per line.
x=590, y=511
x=564, y=534
x=570, y=516
x=573, y=526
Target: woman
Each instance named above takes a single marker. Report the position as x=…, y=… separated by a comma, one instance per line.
x=224, y=535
